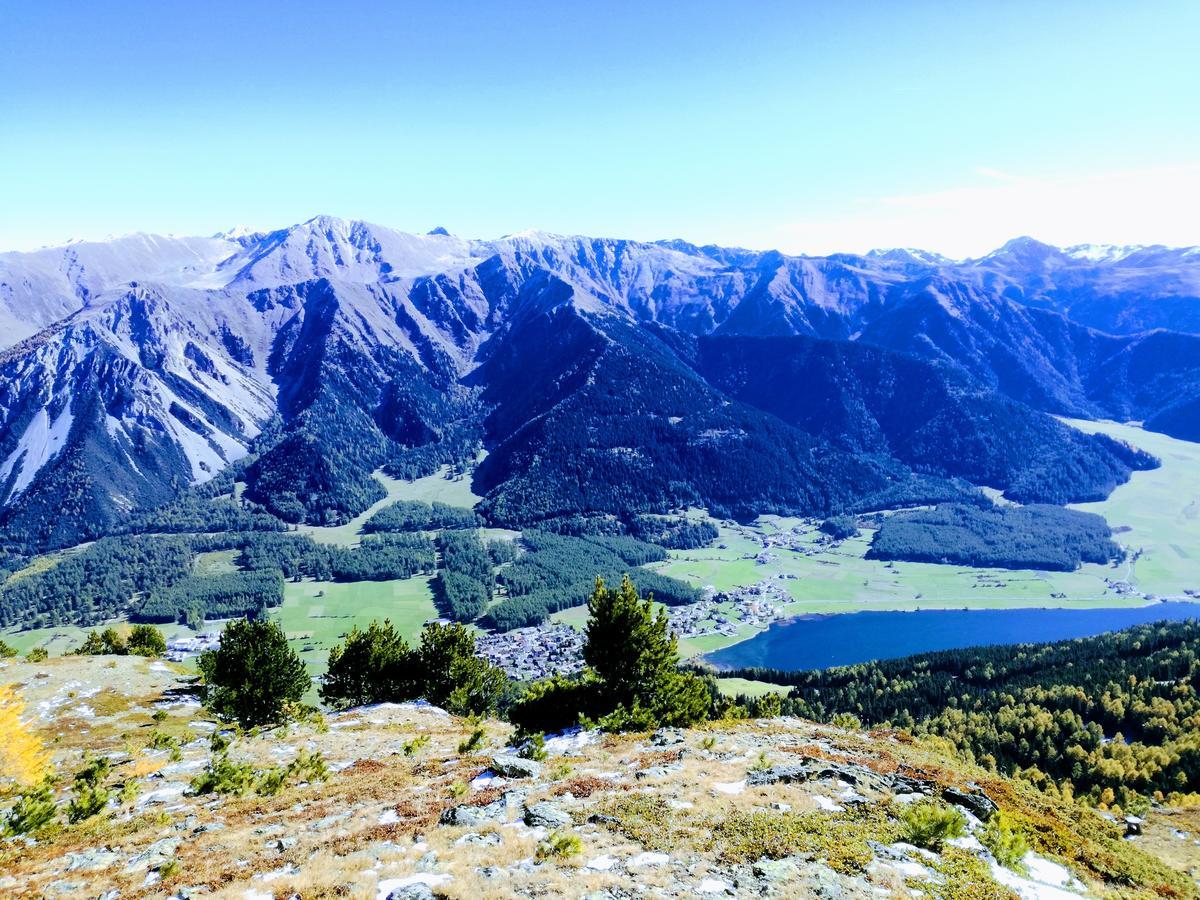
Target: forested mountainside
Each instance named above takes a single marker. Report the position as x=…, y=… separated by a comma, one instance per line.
x=932, y=417
x=604, y=376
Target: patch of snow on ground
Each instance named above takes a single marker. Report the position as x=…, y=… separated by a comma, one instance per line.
x=389, y=817
x=601, y=863
x=487, y=779
x=714, y=886
x=648, y=859
x=571, y=739
x=41, y=442
x=827, y=805
x=429, y=879
x=730, y=787
x=1047, y=880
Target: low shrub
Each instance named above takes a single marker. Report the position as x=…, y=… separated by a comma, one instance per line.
x=928, y=824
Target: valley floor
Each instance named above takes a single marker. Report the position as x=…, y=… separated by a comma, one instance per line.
x=777, y=568
x=1156, y=516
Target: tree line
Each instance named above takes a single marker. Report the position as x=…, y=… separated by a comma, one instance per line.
x=1110, y=718
x=194, y=599
x=557, y=572
x=413, y=515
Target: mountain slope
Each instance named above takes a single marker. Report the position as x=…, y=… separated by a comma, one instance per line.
x=929, y=416
x=612, y=421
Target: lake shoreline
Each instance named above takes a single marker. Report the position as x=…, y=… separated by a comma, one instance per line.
x=862, y=636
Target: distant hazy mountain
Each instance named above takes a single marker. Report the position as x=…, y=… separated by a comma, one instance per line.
x=321, y=352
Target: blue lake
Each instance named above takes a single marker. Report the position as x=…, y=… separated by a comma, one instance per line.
x=817, y=642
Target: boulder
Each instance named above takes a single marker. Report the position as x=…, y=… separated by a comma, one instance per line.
x=473, y=816
x=516, y=766
x=155, y=855
x=785, y=774
x=546, y=815
x=666, y=736
x=974, y=801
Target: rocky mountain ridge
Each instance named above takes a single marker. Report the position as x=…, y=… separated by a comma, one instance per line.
x=154, y=363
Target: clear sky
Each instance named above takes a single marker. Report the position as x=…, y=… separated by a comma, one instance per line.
x=809, y=127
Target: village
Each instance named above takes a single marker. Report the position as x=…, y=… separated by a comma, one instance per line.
x=555, y=648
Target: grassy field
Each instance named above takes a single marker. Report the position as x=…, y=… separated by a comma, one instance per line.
x=316, y=614
x=733, y=686
x=438, y=486
x=1160, y=509
x=215, y=562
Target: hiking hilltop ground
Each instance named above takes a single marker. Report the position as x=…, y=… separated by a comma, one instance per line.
x=406, y=801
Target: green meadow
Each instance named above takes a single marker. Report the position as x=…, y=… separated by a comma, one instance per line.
x=316, y=615
x=1157, y=512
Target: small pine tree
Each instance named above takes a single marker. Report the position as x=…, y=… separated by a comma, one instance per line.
x=146, y=640
x=372, y=666
x=33, y=811
x=113, y=643
x=253, y=675
x=636, y=657
x=628, y=646
x=91, y=646
x=450, y=675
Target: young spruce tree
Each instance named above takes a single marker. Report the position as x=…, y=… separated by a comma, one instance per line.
x=635, y=656
x=254, y=674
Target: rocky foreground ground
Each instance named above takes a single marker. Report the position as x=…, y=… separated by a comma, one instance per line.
x=411, y=806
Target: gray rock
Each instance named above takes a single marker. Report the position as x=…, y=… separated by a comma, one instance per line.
x=785, y=774
x=666, y=736
x=516, y=766
x=1133, y=826
x=474, y=816
x=484, y=840
x=92, y=860
x=975, y=802
x=546, y=815
x=824, y=882
x=428, y=862
x=490, y=872
x=154, y=856
x=412, y=892
x=514, y=801
x=281, y=844
x=775, y=870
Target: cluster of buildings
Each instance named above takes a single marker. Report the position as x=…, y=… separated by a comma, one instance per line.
x=536, y=652
x=756, y=605
x=182, y=648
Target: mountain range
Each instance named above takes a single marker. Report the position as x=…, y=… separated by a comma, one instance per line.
x=602, y=376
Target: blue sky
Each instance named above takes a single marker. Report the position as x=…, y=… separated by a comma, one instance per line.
x=805, y=126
